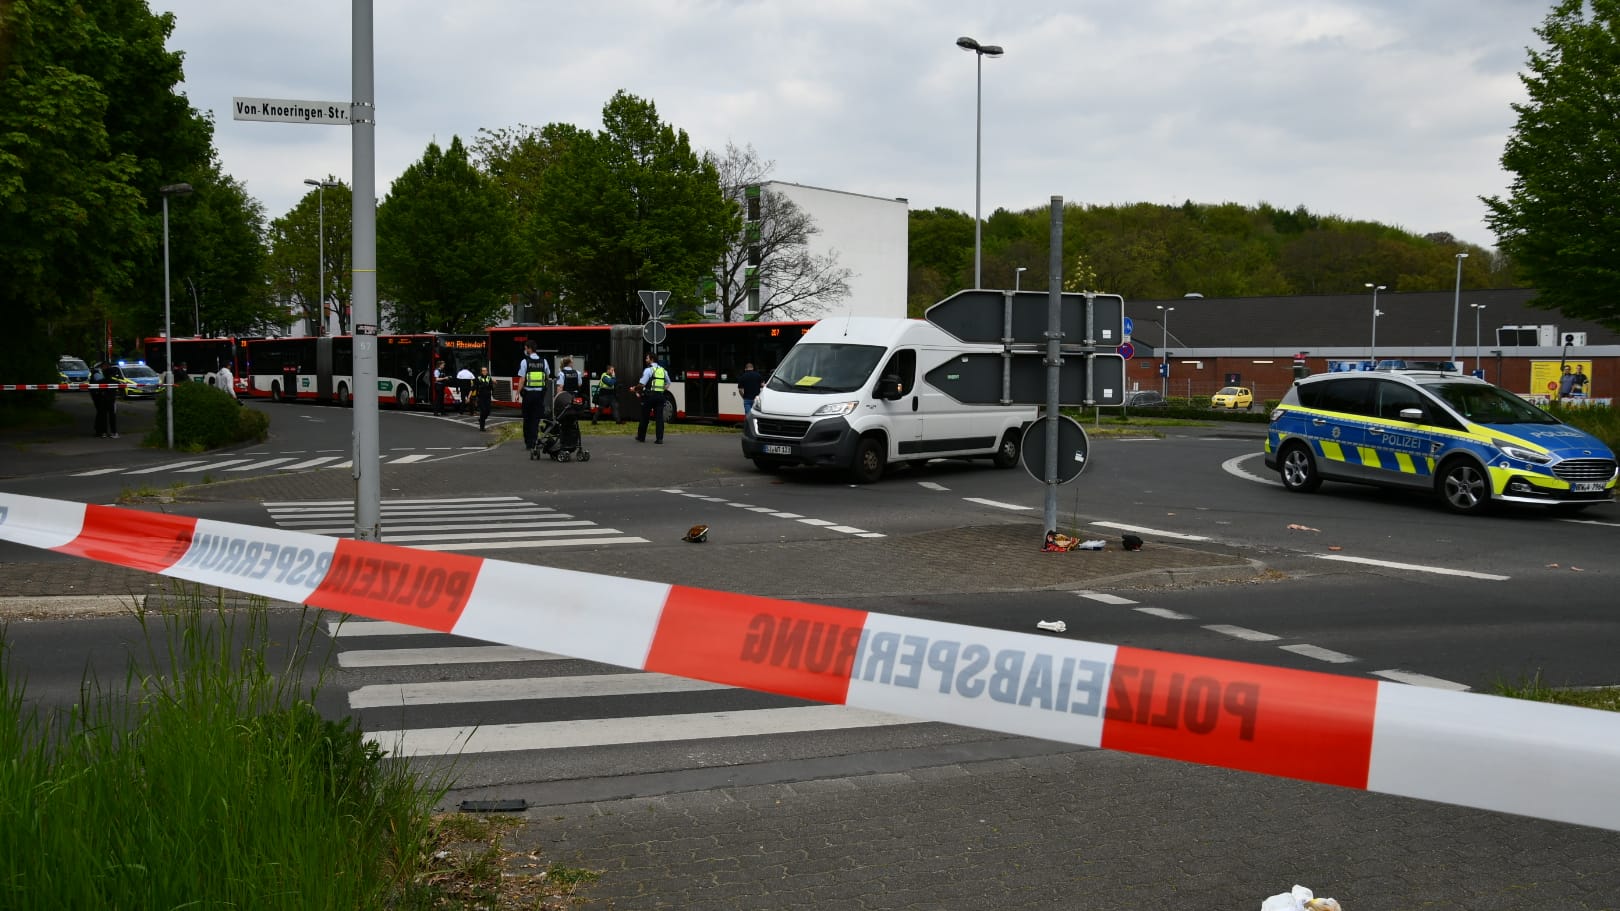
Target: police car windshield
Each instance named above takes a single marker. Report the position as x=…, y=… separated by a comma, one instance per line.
x=1486, y=404
x=72, y=363
x=825, y=368
x=138, y=371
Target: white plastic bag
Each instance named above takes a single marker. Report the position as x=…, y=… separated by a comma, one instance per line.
x=1298, y=898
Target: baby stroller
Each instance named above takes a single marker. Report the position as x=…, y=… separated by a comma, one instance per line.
x=559, y=434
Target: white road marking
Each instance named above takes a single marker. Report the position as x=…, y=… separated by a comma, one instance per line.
x=1155, y=532
x=265, y=464
x=1319, y=653
x=761, y=508
x=1408, y=677
x=394, y=527
x=1593, y=522
x=446, y=692
x=1234, y=467
x=932, y=485
x=214, y=465
x=821, y=522
x=997, y=504
x=172, y=466
x=91, y=474
x=847, y=529
x=446, y=501
x=1164, y=613
x=1414, y=567
x=1241, y=632
x=554, y=735
x=309, y=463
x=406, y=460
x=455, y=654
x=787, y=515
x=1103, y=597
x=337, y=628
x=512, y=545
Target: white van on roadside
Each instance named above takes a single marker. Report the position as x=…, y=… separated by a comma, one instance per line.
x=854, y=394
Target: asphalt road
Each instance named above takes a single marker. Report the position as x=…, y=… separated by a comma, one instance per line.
x=1450, y=601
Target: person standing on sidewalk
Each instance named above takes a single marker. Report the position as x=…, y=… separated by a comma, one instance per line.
x=532, y=370
x=607, y=396
x=106, y=402
x=748, y=387
x=654, y=382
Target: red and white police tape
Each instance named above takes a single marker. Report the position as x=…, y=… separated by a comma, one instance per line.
x=28, y=387
x=1535, y=759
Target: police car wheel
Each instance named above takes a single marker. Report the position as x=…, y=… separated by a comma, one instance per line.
x=1298, y=469
x=1464, y=488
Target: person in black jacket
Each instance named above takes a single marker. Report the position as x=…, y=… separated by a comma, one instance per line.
x=483, y=392
x=106, y=401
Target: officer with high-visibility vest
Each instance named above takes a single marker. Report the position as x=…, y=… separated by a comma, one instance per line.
x=654, y=392
x=532, y=371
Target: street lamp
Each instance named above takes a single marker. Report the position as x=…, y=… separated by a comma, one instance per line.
x=1164, y=357
x=982, y=51
x=1478, y=309
x=1456, y=305
x=173, y=189
x=1372, y=347
x=320, y=204
x=1018, y=277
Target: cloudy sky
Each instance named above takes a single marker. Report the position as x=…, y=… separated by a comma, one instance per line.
x=1386, y=110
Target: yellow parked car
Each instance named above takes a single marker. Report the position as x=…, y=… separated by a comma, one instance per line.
x=1232, y=397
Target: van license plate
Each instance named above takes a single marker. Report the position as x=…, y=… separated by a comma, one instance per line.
x=778, y=449
x=1586, y=486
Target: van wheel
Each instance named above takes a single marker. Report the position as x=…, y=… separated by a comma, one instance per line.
x=1007, y=453
x=1298, y=469
x=343, y=399
x=1464, y=487
x=869, y=458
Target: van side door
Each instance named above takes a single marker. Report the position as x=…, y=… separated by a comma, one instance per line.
x=895, y=398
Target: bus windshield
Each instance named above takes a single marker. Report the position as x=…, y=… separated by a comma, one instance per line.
x=825, y=368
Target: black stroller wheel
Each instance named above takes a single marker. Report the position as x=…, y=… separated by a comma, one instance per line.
x=584, y=456
x=564, y=456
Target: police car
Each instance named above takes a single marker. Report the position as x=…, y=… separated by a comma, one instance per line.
x=135, y=380
x=1472, y=443
x=72, y=369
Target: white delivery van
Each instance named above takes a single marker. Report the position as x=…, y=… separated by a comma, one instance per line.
x=854, y=394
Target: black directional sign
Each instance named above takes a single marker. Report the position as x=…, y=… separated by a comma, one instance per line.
x=975, y=379
x=979, y=316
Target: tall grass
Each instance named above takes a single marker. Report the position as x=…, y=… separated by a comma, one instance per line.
x=1601, y=421
x=208, y=779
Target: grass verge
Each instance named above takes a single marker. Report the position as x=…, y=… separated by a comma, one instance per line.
x=207, y=778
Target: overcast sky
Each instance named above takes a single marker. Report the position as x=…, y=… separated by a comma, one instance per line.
x=1386, y=110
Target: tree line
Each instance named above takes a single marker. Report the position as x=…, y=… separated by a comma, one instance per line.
x=561, y=223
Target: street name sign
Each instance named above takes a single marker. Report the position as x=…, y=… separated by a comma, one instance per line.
x=286, y=110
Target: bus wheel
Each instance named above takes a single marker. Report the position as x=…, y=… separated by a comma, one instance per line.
x=402, y=395
x=275, y=393
x=343, y=399
x=669, y=410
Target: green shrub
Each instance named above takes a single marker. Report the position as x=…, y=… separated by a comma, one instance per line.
x=206, y=417
x=1601, y=421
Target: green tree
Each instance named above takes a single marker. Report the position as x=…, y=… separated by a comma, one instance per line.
x=632, y=207
x=293, y=263
x=517, y=159
x=447, y=246
x=90, y=125
x=1558, y=221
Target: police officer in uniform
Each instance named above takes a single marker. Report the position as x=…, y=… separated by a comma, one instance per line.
x=654, y=383
x=483, y=391
x=532, y=370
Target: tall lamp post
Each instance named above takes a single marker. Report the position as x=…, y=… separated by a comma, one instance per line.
x=320, y=206
x=1018, y=277
x=1478, y=309
x=1372, y=347
x=1164, y=356
x=1456, y=305
x=173, y=189
x=982, y=51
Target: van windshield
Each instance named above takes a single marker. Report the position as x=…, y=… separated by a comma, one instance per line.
x=825, y=368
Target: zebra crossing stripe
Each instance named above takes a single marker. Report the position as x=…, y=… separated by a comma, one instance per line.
x=98, y=471
x=172, y=466
x=454, y=692
x=454, y=654
x=1363, y=733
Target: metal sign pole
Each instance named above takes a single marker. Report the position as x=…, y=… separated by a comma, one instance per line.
x=1054, y=357
x=367, y=467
